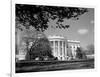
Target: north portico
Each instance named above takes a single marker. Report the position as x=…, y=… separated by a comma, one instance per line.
x=61, y=46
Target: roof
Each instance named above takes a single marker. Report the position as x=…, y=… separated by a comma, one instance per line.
x=73, y=41
x=61, y=37
x=55, y=36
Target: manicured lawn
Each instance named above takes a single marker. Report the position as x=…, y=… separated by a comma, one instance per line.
x=37, y=66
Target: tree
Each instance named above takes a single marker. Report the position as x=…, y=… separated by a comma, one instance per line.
x=38, y=42
x=80, y=54
x=26, y=36
x=38, y=16
x=90, y=49
x=40, y=49
x=32, y=36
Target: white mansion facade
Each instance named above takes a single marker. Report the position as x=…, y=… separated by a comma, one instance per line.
x=61, y=47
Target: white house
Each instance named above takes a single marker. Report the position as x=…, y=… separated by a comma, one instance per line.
x=61, y=46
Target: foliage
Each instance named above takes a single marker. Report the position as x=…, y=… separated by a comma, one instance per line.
x=90, y=49
x=38, y=16
x=80, y=54
x=40, y=49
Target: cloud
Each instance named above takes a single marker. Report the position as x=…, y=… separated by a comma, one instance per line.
x=82, y=31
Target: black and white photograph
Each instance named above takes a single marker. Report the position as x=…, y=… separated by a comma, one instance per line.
x=53, y=38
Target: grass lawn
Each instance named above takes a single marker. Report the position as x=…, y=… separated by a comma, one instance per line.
x=37, y=66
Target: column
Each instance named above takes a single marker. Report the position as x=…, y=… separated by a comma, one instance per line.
x=54, y=48
x=63, y=50
x=75, y=50
x=72, y=50
x=76, y=47
x=58, y=49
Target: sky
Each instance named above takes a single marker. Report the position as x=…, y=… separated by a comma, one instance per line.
x=81, y=30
